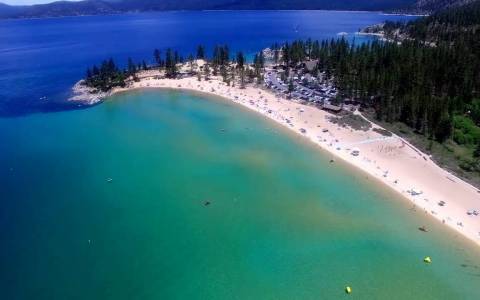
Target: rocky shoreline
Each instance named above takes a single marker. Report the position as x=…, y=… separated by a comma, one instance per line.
x=87, y=95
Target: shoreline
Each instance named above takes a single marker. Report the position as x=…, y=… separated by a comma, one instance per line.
x=390, y=160
x=134, y=12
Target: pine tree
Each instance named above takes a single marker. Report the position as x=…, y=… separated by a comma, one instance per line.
x=223, y=72
x=157, y=56
x=131, y=67
x=242, y=78
x=200, y=52
x=206, y=70
x=240, y=59
x=291, y=87
x=170, y=64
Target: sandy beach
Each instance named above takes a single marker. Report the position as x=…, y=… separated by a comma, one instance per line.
x=390, y=159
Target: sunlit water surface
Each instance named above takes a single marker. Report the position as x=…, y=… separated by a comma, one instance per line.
x=282, y=223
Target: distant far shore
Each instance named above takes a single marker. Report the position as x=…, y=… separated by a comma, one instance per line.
x=382, y=155
x=119, y=13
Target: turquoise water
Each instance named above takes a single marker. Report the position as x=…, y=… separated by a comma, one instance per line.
x=283, y=223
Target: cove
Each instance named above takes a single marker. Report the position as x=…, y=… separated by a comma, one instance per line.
x=282, y=223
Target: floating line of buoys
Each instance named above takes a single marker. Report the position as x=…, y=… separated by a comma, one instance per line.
x=426, y=260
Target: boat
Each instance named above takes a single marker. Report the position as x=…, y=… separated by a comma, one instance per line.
x=348, y=290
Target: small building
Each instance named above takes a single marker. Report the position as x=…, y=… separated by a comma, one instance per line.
x=332, y=108
x=268, y=54
x=309, y=78
x=310, y=65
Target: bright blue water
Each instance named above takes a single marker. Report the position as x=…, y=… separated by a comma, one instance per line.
x=45, y=57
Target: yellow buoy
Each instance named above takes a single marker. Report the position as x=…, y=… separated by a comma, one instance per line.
x=427, y=260
x=348, y=290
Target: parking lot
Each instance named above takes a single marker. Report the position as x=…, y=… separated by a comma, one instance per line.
x=321, y=95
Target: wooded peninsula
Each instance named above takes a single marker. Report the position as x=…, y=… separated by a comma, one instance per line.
x=421, y=81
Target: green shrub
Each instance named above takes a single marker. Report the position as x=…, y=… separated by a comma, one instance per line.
x=465, y=131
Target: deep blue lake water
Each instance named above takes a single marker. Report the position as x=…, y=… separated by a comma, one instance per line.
x=45, y=57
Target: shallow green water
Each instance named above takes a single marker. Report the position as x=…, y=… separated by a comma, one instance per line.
x=283, y=223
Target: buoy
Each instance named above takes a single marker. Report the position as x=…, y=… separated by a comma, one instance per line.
x=427, y=260
x=348, y=290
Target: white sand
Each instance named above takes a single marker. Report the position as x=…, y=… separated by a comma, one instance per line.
x=390, y=159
